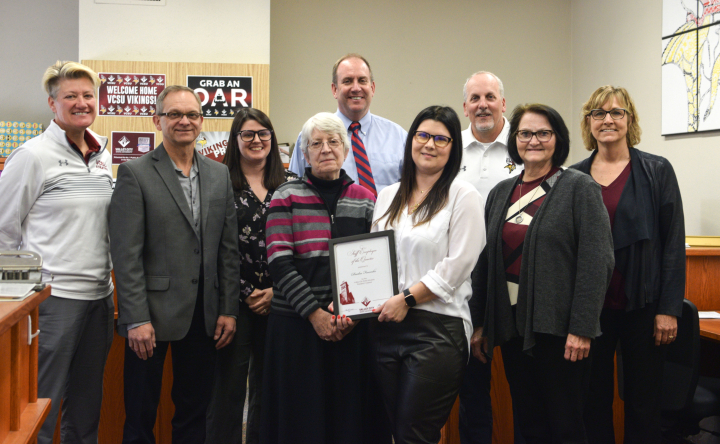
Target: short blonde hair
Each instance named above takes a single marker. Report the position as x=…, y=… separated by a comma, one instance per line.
x=597, y=100
x=67, y=70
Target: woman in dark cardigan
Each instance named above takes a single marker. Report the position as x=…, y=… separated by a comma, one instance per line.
x=645, y=296
x=539, y=284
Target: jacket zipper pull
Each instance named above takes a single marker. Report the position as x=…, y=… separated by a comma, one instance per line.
x=332, y=219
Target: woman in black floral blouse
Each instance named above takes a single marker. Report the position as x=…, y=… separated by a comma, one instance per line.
x=256, y=170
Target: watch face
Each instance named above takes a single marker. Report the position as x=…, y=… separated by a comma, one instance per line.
x=410, y=301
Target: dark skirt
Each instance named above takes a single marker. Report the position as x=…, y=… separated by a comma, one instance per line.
x=316, y=391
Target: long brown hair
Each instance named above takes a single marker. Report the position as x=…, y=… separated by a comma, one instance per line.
x=438, y=195
x=274, y=171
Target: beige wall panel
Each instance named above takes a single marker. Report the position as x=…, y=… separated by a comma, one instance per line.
x=421, y=52
x=176, y=75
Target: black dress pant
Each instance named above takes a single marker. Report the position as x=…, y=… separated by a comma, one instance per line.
x=548, y=392
x=475, y=404
x=642, y=370
x=476, y=420
x=243, y=356
x=419, y=364
x=193, y=359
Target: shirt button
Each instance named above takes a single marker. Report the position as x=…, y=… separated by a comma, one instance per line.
x=197, y=251
x=484, y=169
x=194, y=281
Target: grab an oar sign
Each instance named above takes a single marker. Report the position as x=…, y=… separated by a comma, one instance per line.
x=222, y=96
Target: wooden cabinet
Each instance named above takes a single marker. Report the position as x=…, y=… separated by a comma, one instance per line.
x=703, y=277
x=21, y=412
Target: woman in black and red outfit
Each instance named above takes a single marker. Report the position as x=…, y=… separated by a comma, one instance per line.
x=256, y=170
x=646, y=291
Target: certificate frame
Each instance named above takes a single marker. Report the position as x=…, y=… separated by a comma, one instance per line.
x=363, y=271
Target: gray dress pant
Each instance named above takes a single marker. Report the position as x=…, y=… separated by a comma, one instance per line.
x=73, y=345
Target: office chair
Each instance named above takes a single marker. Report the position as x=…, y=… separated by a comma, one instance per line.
x=687, y=397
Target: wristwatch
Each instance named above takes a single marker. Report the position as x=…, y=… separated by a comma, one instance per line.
x=409, y=298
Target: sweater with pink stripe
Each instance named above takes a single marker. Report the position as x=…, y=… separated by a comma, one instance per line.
x=299, y=225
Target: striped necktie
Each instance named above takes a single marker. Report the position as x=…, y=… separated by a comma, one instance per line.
x=362, y=163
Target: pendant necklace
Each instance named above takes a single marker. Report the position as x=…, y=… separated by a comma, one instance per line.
x=519, y=218
x=415, y=207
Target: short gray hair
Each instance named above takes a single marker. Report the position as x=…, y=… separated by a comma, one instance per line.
x=173, y=89
x=327, y=123
x=500, y=84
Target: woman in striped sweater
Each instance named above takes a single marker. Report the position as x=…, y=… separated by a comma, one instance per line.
x=315, y=387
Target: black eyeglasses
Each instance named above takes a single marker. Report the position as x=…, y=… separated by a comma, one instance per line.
x=527, y=135
x=249, y=135
x=440, y=141
x=174, y=115
x=615, y=113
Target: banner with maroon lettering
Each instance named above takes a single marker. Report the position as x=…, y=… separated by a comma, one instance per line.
x=129, y=145
x=213, y=144
x=221, y=96
x=129, y=95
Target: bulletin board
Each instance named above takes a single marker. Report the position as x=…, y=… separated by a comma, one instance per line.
x=176, y=74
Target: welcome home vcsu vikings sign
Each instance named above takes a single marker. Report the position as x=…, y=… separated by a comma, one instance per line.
x=222, y=96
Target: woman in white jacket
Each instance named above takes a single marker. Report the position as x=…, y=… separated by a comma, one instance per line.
x=55, y=193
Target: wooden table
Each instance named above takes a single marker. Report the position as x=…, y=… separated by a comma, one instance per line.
x=21, y=412
x=710, y=329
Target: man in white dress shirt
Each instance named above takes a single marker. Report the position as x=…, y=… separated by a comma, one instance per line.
x=380, y=141
x=485, y=162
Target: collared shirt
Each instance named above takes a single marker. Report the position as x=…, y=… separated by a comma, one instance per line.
x=191, y=189
x=486, y=164
x=384, y=143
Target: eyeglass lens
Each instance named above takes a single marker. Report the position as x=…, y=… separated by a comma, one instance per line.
x=542, y=135
x=318, y=144
x=440, y=141
x=174, y=115
x=615, y=114
x=249, y=135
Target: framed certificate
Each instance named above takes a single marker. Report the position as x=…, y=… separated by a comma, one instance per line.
x=363, y=269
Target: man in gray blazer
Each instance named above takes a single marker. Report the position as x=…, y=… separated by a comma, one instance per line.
x=173, y=234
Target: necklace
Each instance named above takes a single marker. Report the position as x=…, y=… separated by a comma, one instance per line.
x=415, y=207
x=519, y=217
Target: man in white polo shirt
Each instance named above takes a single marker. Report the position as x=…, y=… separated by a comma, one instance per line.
x=485, y=162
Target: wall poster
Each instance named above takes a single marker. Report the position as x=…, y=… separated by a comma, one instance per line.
x=690, y=66
x=221, y=96
x=129, y=95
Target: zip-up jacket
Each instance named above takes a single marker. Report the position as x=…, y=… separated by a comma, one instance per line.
x=299, y=225
x=54, y=204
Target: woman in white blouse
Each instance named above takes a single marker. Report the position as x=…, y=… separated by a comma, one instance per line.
x=421, y=337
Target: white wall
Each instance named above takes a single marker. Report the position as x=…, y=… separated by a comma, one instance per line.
x=207, y=31
x=421, y=52
x=618, y=42
x=32, y=39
